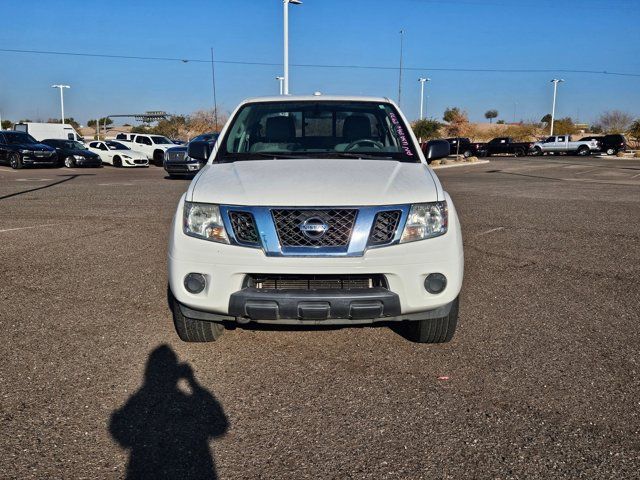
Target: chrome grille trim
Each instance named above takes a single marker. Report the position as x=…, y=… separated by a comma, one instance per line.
x=270, y=242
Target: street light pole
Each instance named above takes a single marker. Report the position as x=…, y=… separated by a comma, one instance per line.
x=555, y=82
x=280, y=80
x=422, y=81
x=61, y=87
x=285, y=4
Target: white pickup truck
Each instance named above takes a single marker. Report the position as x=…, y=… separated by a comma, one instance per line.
x=153, y=146
x=316, y=210
x=565, y=144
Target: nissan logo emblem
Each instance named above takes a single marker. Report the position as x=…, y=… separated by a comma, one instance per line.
x=314, y=228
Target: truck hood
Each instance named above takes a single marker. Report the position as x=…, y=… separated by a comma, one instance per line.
x=315, y=182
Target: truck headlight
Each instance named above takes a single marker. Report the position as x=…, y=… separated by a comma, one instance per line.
x=425, y=220
x=203, y=220
x=78, y=157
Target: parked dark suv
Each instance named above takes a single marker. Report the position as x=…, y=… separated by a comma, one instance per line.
x=20, y=149
x=74, y=154
x=467, y=148
x=614, y=143
x=178, y=163
x=610, y=144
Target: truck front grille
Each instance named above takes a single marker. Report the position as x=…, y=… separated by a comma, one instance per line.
x=244, y=228
x=174, y=156
x=315, y=282
x=384, y=227
x=289, y=225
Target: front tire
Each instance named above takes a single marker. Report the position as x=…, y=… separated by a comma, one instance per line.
x=158, y=158
x=117, y=162
x=611, y=151
x=584, y=151
x=190, y=330
x=467, y=153
x=537, y=151
x=15, y=161
x=519, y=152
x=69, y=162
x=436, y=330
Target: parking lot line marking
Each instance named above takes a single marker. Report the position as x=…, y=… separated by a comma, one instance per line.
x=115, y=184
x=26, y=228
x=489, y=231
x=33, y=179
x=587, y=171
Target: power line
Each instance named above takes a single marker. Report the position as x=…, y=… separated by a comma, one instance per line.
x=319, y=65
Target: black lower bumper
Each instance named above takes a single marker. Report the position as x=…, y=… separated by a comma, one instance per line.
x=356, y=304
x=175, y=168
x=88, y=163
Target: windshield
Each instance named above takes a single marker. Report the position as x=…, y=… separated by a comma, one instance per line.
x=117, y=146
x=160, y=140
x=324, y=129
x=74, y=146
x=206, y=137
x=17, y=138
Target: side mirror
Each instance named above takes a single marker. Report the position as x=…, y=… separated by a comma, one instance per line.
x=199, y=150
x=435, y=149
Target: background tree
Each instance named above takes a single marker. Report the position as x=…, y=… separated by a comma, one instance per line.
x=634, y=131
x=451, y=113
x=172, y=127
x=458, y=122
x=546, y=119
x=490, y=115
x=68, y=121
x=426, y=129
x=564, y=126
x=92, y=123
x=500, y=122
x=614, y=121
x=6, y=124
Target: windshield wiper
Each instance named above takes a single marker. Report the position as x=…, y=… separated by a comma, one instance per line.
x=359, y=156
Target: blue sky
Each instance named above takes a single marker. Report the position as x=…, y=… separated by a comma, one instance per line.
x=492, y=34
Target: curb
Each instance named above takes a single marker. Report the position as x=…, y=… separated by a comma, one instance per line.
x=461, y=164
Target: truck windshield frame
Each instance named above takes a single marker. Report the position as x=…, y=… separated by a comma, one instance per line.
x=306, y=129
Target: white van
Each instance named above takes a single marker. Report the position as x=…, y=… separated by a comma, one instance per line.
x=45, y=131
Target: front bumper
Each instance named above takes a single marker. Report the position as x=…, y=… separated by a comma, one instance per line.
x=184, y=168
x=29, y=159
x=88, y=162
x=226, y=267
x=137, y=162
x=301, y=311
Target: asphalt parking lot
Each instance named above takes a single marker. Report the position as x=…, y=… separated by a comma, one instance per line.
x=540, y=381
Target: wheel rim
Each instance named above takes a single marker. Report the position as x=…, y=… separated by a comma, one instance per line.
x=68, y=162
x=610, y=151
x=13, y=162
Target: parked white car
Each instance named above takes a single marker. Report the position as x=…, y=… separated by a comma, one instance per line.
x=118, y=154
x=316, y=210
x=44, y=131
x=153, y=146
x=565, y=144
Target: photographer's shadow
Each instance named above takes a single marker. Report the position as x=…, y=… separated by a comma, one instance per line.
x=166, y=429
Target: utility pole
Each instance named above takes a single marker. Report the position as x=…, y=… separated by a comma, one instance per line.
x=280, y=81
x=422, y=81
x=400, y=73
x=61, y=87
x=555, y=82
x=285, y=12
x=215, y=101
